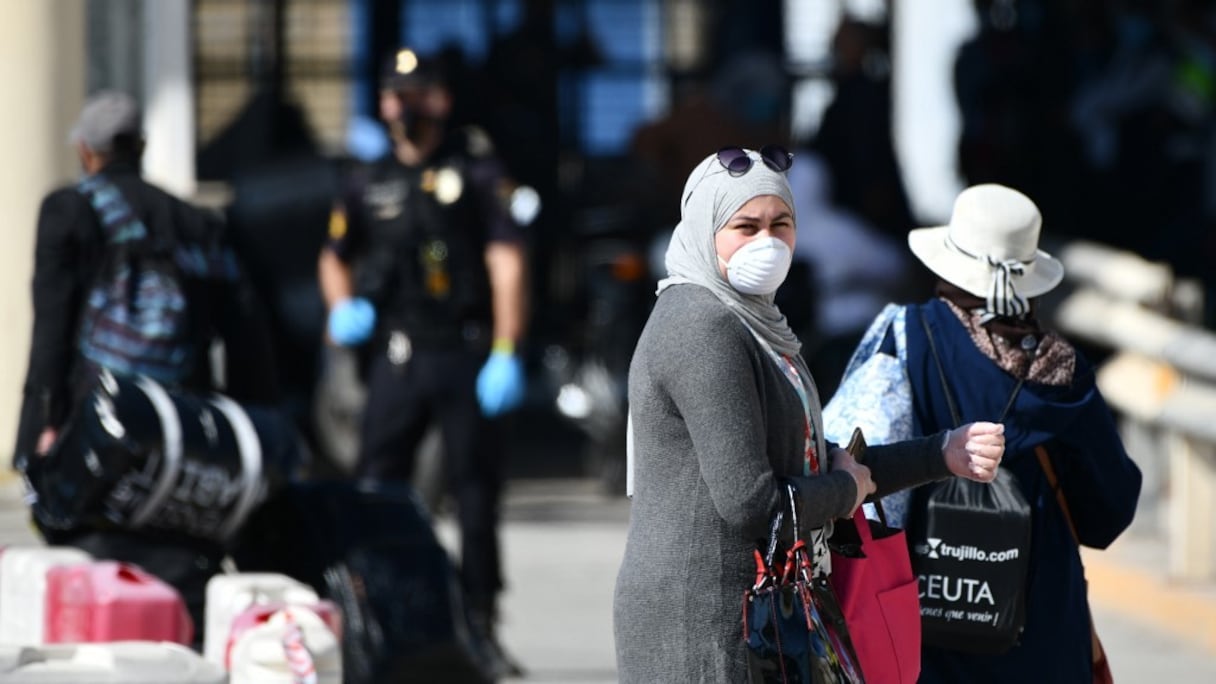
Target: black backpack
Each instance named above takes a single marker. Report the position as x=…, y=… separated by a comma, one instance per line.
x=136, y=317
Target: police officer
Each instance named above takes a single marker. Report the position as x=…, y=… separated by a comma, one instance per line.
x=424, y=268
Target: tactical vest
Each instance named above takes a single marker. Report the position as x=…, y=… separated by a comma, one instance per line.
x=424, y=261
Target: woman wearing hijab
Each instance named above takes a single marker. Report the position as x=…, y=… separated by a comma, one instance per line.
x=722, y=406
x=998, y=360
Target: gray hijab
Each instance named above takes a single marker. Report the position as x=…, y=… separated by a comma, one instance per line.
x=711, y=196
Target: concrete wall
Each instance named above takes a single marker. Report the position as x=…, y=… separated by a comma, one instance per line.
x=42, y=76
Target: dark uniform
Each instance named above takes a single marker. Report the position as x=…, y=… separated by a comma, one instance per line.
x=416, y=239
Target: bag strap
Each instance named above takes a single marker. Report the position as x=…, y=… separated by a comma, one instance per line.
x=120, y=224
x=805, y=547
x=171, y=424
x=250, y=448
x=800, y=556
x=1054, y=483
x=118, y=220
x=941, y=373
x=774, y=535
x=1099, y=653
x=873, y=338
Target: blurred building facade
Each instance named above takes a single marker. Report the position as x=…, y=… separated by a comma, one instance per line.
x=228, y=83
x=563, y=85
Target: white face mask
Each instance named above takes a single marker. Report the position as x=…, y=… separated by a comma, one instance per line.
x=759, y=267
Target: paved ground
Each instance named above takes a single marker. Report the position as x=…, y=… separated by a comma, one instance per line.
x=563, y=542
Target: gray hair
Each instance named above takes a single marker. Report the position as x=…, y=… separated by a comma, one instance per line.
x=107, y=115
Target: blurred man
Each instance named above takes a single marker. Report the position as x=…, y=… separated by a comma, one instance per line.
x=85, y=231
x=424, y=268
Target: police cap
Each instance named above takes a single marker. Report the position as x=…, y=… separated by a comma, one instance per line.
x=406, y=68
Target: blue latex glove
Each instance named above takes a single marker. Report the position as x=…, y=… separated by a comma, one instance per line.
x=351, y=321
x=500, y=384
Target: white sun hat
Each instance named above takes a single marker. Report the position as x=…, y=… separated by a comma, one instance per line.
x=991, y=248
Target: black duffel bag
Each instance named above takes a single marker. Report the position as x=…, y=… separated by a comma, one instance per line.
x=136, y=456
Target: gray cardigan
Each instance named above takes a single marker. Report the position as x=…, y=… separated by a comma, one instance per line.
x=715, y=422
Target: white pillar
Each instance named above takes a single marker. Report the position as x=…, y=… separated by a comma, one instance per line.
x=1191, y=509
x=42, y=47
x=168, y=97
x=926, y=35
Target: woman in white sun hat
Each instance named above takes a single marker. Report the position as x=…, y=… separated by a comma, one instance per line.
x=998, y=363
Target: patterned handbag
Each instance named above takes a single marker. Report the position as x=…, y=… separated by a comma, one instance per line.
x=876, y=396
x=792, y=624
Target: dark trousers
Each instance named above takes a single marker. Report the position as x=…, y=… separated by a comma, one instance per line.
x=402, y=402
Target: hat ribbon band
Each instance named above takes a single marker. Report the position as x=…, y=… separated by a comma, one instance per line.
x=1003, y=299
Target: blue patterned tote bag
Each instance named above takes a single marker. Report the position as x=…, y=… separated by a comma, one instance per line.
x=876, y=395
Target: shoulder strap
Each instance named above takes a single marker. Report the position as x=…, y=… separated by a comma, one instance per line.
x=1098, y=652
x=941, y=373
x=873, y=337
x=120, y=224
x=899, y=329
x=1054, y=482
x=118, y=221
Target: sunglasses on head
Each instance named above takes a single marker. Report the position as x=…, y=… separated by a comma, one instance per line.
x=737, y=161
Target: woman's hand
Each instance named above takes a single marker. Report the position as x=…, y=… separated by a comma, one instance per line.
x=974, y=450
x=843, y=460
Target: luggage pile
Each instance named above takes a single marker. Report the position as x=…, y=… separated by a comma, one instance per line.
x=371, y=549
x=67, y=617
x=339, y=582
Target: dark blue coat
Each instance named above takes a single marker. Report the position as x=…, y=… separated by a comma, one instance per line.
x=1100, y=483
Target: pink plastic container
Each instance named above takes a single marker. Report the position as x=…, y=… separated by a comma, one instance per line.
x=112, y=601
x=258, y=614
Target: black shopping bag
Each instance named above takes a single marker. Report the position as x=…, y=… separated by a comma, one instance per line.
x=970, y=545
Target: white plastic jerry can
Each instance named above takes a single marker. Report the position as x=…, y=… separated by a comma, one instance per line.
x=294, y=646
x=229, y=595
x=130, y=662
x=23, y=574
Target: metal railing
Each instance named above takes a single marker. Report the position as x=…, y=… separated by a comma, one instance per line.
x=1161, y=380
